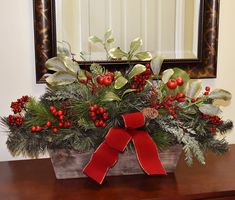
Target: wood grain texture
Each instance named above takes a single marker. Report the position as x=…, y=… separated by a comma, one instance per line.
x=70, y=163
x=35, y=179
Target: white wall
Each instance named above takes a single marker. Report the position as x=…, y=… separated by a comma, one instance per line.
x=17, y=73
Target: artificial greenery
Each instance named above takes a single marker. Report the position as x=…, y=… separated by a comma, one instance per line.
x=176, y=109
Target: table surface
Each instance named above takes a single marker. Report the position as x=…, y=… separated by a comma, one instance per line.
x=35, y=179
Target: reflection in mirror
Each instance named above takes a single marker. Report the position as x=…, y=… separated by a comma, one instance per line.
x=167, y=27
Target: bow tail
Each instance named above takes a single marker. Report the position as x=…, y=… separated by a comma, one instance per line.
x=147, y=153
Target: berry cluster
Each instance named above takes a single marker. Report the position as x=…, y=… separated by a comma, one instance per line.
x=106, y=79
x=213, y=120
x=174, y=83
x=19, y=105
x=60, y=123
x=207, y=90
x=140, y=80
x=168, y=103
x=98, y=115
x=18, y=120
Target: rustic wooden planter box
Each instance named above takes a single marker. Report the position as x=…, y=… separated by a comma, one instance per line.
x=70, y=163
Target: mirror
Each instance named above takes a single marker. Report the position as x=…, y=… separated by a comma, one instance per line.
x=195, y=51
x=167, y=27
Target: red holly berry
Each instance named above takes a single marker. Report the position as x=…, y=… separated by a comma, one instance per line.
x=180, y=95
x=84, y=81
x=172, y=84
x=133, y=86
x=33, y=128
x=180, y=81
x=107, y=80
x=61, y=117
x=207, y=88
x=60, y=124
x=48, y=124
x=97, y=123
x=55, y=130
x=101, y=110
x=100, y=79
x=52, y=108
x=105, y=116
x=38, y=128
x=60, y=112
x=206, y=93
x=193, y=100
x=92, y=114
x=181, y=100
x=147, y=66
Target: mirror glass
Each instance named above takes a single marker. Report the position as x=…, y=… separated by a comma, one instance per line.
x=167, y=27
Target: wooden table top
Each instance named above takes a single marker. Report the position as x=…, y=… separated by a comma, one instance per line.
x=35, y=179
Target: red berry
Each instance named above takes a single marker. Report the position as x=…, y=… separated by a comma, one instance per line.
x=147, y=66
x=84, y=81
x=60, y=124
x=94, y=118
x=180, y=95
x=97, y=123
x=193, y=100
x=107, y=80
x=104, y=125
x=60, y=112
x=101, y=110
x=206, y=93
x=180, y=81
x=105, y=116
x=207, y=88
x=48, y=124
x=101, y=122
x=55, y=130
x=148, y=72
x=100, y=79
x=181, y=100
x=172, y=84
x=61, y=117
x=95, y=106
x=33, y=128
x=133, y=86
x=52, y=108
x=38, y=128
x=92, y=109
x=92, y=114
x=54, y=112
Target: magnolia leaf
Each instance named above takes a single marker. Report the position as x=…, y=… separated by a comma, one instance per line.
x=62, y=51
x=56, y=64
x=82, y=75
x=107, y=34
x=136, y=70
x=128, y=91
x=220, y=94
x=209, y=109
x=144, y=56
x=117, y=74
x=117, y=53
x=120, y=82
x=94, y=39
x=135, y=44
x=60, y=78
x=193, y=88
x=71, y=65
x=110, y=96
x=156, y=64
x=166, y=75
x=109, y=41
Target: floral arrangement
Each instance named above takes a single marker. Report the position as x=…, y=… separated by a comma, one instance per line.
x=81, y=106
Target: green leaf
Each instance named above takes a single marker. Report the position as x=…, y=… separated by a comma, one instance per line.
x=209, y=109
x=166, y=75
x=128, y=91
x=60, y=78
x=117, y=53
x=135, y=45
x=107, y=34
x=109, y=41
x=144, y=56
x=193, y=88
x=156, y=64
x=117, y=74
x=110, y=96
x=220, y=94
x=94, y=39
x=71, y=65
x=120, y=82
x=56, y=64
x=136, y=70
x=62, y=51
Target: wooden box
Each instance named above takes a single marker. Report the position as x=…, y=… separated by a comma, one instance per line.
x=70, y=163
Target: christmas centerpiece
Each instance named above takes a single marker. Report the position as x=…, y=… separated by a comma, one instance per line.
x=107, y=113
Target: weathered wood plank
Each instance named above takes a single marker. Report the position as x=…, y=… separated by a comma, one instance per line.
x=70, y=163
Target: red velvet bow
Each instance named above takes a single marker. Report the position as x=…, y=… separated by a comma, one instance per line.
x=106, y=155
